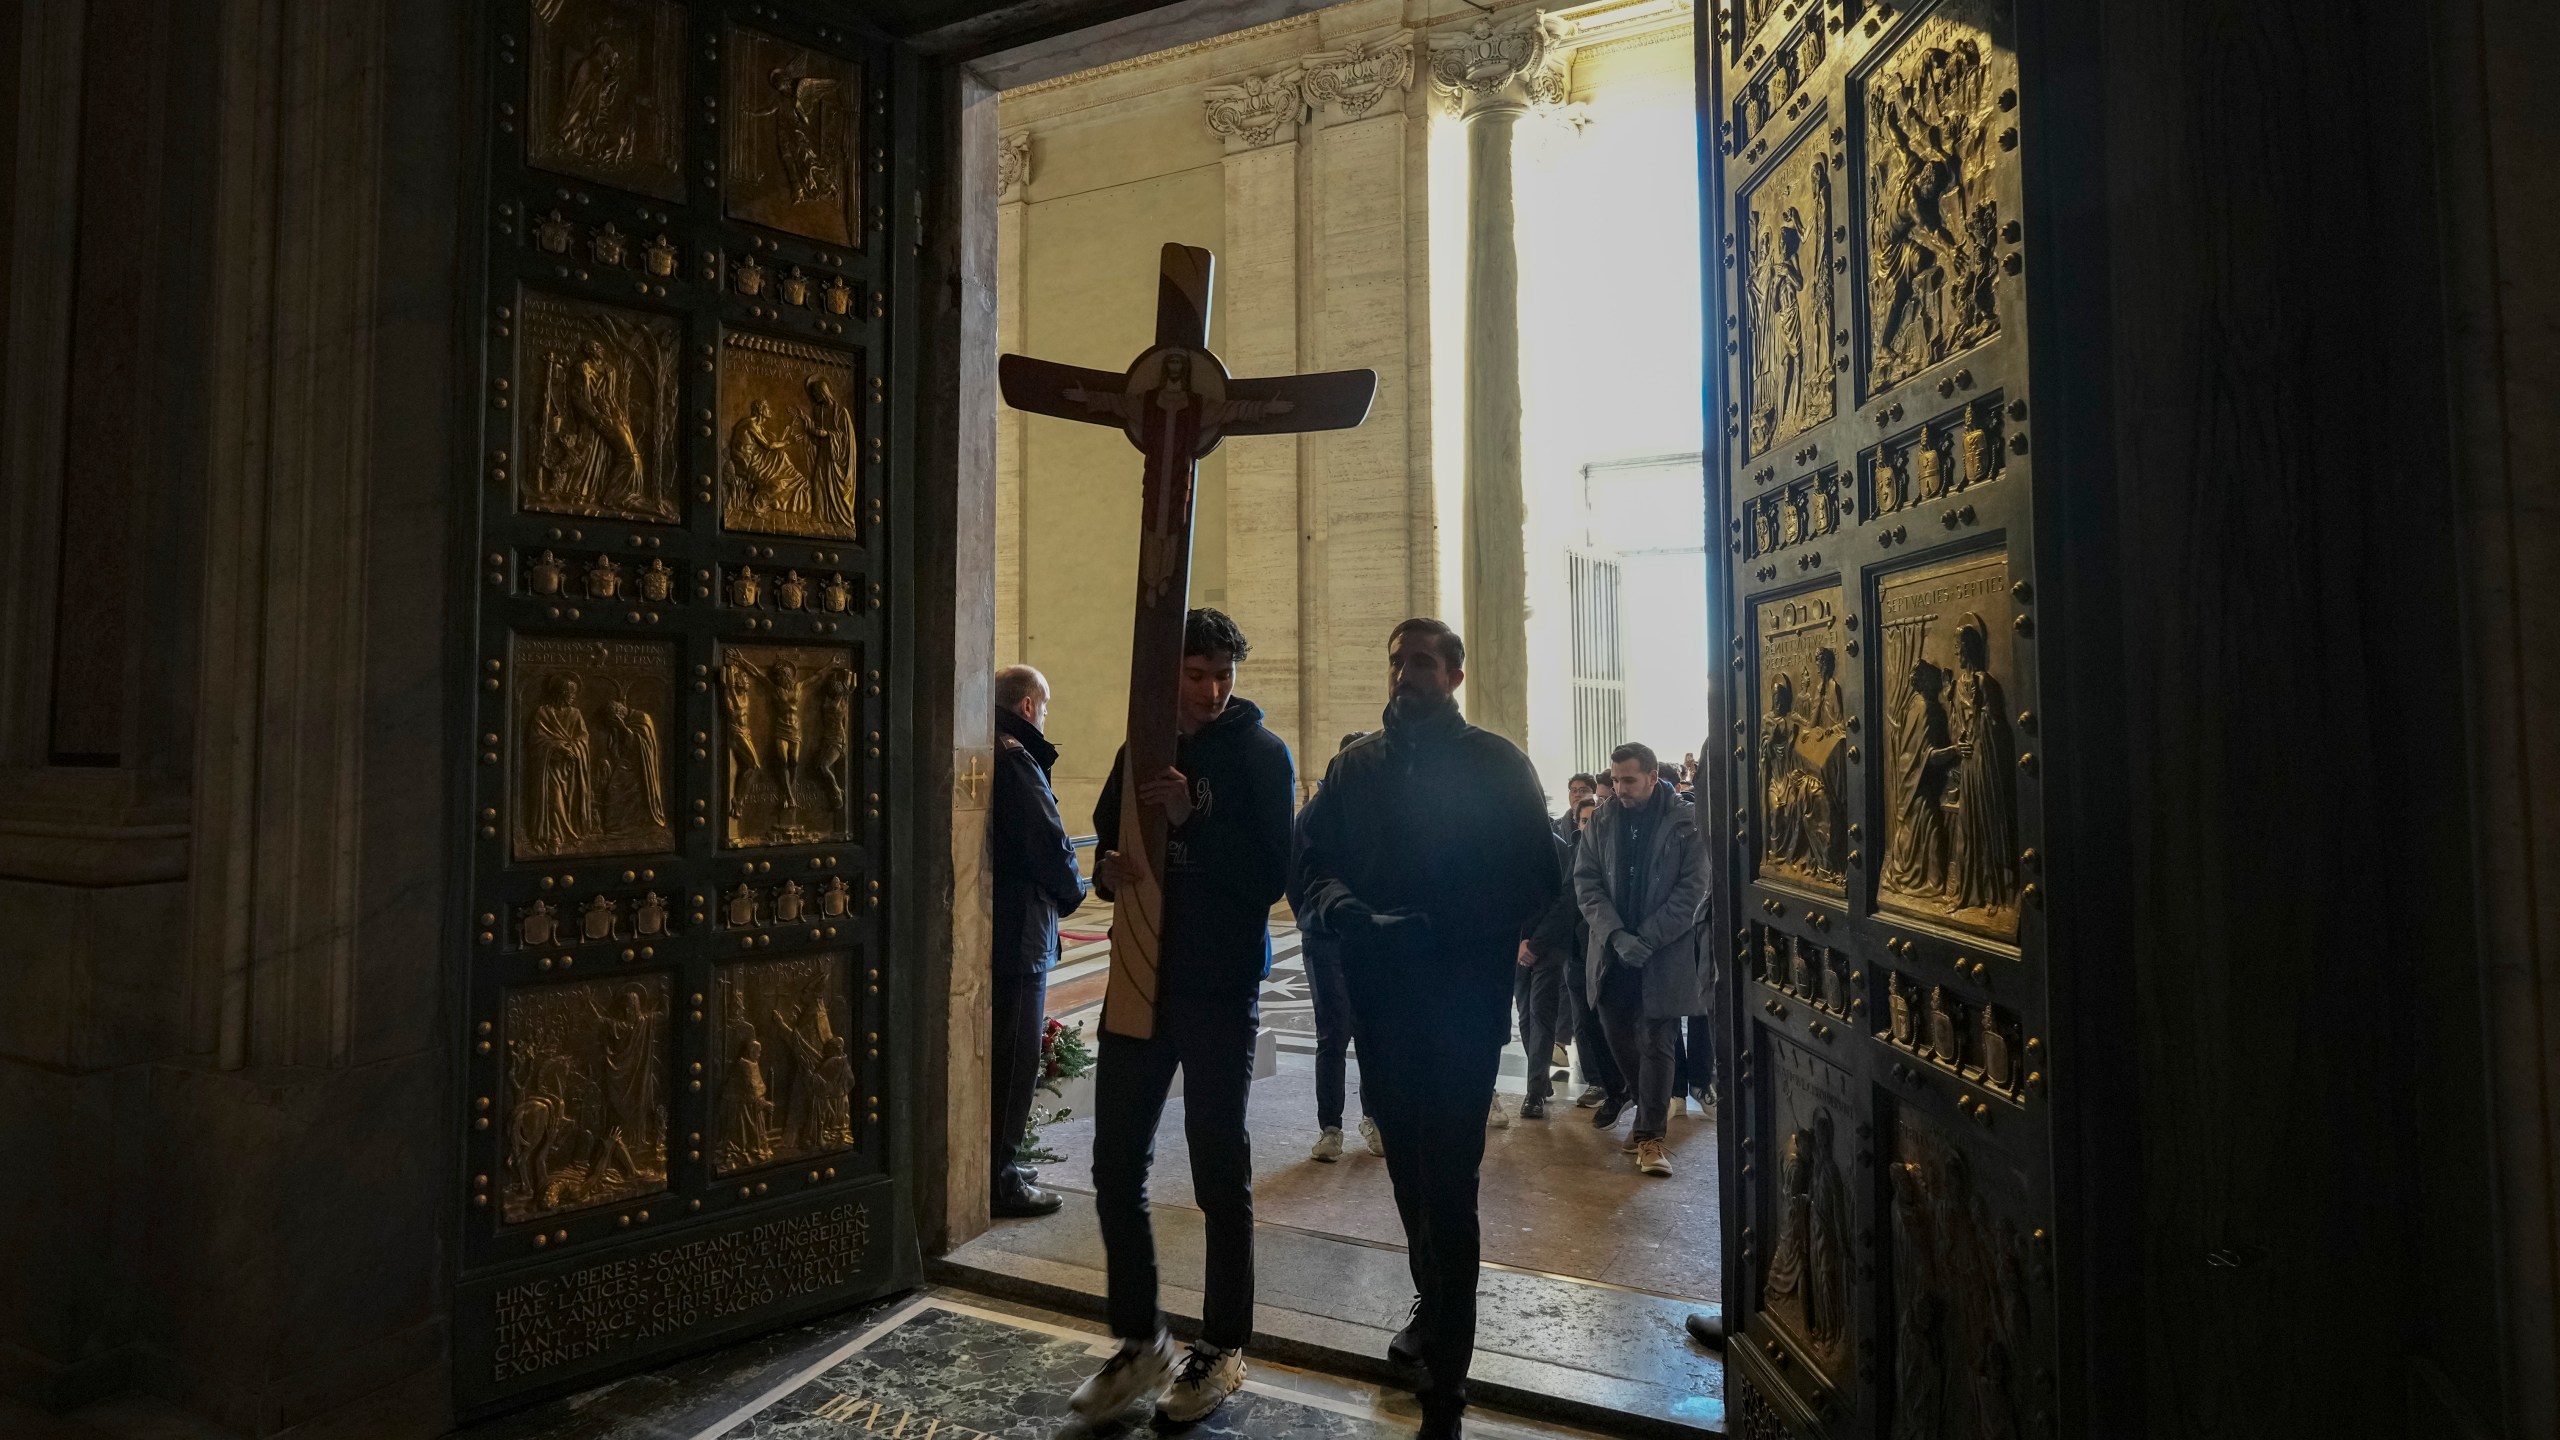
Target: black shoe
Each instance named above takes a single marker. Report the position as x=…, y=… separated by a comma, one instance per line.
x=1533, y=1108
x=1610, y=1109
x=1406, y=1348
x=1023, y=1202
x=1706, y=1329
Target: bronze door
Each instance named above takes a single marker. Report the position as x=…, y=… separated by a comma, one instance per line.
x=1889, y=1190
x=684, y=1110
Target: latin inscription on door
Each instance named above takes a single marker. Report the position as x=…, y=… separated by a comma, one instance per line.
x=1951, y=775
x=1802, y=751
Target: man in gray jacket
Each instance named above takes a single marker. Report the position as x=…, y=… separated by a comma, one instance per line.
x=1640, y=876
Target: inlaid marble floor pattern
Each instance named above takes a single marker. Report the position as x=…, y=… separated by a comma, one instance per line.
x=946, y=1365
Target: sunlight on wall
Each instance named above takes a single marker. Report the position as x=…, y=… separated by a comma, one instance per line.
x=1611, y=337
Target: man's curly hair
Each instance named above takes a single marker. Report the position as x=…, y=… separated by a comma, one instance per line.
x=1211, y=632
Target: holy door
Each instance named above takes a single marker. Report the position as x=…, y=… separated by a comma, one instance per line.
x=1890, y=1181
x=683, y=1112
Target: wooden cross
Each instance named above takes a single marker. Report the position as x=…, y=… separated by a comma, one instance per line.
x=1176, y=402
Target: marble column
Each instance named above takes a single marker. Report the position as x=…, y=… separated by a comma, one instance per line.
x=1257, y=119
x=1490, y=74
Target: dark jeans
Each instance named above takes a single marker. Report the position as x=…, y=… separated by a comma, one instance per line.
x=1333, y=1028
x=1697, y=1056
x=1020, y=1005
x=1590, y=1037
x=1648, y=1048
x=1211, y=1041
x=1431, y=1020
x=1535, y=992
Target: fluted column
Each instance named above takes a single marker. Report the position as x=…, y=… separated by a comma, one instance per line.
x=1491, y=74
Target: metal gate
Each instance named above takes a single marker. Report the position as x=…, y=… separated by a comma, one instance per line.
x=1889, y=1186
x=1599, y=660
x=682, y=1114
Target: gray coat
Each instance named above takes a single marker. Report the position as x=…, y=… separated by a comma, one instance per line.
x=1670, y=931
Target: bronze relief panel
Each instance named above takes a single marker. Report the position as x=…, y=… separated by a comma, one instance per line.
x=590, y=720
x=1934, y=137
x=1806, y=1219
x=1800, y=761
x=790, y=454
x=1964, y=1358
x=1951, y=776
x=596, y=401
x=786, y=1045
x=794, y=122
x=605, y=93
x=1789, y=382
x=585, y=1103
x=788, y=720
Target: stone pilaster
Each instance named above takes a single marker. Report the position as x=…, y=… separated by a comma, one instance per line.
x=1490, y=74
x=1361, y=312
x=1013, y=188
x=1258, y=288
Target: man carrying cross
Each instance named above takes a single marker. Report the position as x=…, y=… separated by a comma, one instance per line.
x=1196, y=859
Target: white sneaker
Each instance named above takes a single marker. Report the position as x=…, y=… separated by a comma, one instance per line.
x=1135, y=1373
x=1369, y=1136
x=1653, y=1157
x=1208, y=1377
x=1328, y=1145
x=1500, y=1119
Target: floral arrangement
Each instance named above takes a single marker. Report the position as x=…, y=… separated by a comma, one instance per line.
x=1064, y=1056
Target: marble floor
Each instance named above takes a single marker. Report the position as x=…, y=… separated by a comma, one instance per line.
x=1559, y=1197
x=949, y=1365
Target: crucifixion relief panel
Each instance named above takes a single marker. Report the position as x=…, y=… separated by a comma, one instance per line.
x=694, y=399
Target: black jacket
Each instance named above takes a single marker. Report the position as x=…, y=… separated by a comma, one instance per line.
x=1035, y=867
x=1557, y=935
x=1225, y=866
x=1435, y=819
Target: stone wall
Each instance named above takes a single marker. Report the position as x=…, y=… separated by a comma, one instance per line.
x=1295, y=150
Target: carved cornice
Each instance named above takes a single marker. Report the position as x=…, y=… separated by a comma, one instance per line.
x=1013, y=165
x=1253, y=111
x=1357, y=76
x=1505, y=65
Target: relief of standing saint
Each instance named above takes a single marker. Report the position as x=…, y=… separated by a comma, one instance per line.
x=630, y=1082
x=1985, y=794
x=835, y=732
x=828, y=423
x=745, y=1135
x=1915, y=861
x=596, y=119
x=635, y=797
x=559, y=780
x=601, y=398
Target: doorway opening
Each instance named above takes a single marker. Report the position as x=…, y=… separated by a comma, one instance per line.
x=1349, y=202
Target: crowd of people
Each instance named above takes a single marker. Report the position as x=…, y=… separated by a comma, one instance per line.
x=1438, y=902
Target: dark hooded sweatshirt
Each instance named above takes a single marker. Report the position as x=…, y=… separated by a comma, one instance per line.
x=1226, y=866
